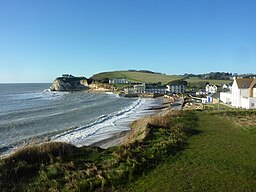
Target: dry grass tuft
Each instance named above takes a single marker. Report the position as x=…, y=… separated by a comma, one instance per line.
x=139, y=128
x=41, y=153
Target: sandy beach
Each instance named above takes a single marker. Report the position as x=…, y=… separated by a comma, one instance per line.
x=118, y=138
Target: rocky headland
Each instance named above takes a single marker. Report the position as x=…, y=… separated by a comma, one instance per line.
x=69, y=83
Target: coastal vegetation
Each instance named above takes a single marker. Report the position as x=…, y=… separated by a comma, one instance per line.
x=195, y=82
x=137, y=76
x=210, y=150
x=146, y=77
x=100, y=81
x=221, y=157
x=59, y=166
x=199, y=83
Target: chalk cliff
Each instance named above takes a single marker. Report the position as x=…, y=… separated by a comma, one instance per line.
x=69, y=83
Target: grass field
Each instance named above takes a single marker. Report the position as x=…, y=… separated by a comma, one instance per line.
x=221, y=157
x=139, y=76
x=216, y=106
x=155, y=78
x=176, y=151
x=194, y=80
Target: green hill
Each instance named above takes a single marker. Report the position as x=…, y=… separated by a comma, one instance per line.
x=137, y=76
x=196, y=80
x=147, y=77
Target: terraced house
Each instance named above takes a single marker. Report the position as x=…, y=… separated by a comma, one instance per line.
x=244, y=93
x=176, y=87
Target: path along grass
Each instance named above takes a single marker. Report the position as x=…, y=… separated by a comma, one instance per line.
x=221, y=157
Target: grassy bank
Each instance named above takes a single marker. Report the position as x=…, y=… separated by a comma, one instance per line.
x=177, y=151
x=63, y=167
x=196, y=80
x=138, y=76
x=221, y=157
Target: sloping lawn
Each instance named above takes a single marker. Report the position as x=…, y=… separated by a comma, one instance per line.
x=138, y=76
x=220, y=157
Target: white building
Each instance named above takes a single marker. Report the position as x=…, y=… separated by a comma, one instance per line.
x=140, y=88
x=176, y=88
x=226, y=97
x=227, y=87
x=244, y=93
x=118, y=81
x=211, y=88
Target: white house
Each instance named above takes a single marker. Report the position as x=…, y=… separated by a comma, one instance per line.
x=227, y=86
x=118, y=81
x=226, y=97
x=244, y=93
x=211, y=88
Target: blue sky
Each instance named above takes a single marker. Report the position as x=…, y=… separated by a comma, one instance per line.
x=41, y=39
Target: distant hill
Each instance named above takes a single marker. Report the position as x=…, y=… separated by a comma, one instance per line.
x=145, y=76
x=137, y=76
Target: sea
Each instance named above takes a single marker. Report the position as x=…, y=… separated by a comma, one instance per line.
x=31, y=113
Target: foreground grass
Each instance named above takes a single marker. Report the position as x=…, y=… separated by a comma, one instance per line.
x=221, y=158
x=216, y=106
x=63, y=167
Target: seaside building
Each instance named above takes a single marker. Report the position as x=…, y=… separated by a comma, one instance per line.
x=211, y=88
x=213, y=98
x=140, y=88
x=244, y=93
x=226, y=97
x=145, y=88
x=118, y=81
x=178, y=87
x=158, y=90
x=227, y=86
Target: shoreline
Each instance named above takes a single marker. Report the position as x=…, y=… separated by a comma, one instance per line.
x=112, y=127
x=112, y=137
x=121, y=137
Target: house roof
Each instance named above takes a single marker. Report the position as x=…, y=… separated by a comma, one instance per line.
x=244, y=83
x=253, y=84
x=215, y=95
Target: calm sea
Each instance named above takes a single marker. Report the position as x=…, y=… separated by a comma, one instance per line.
x=32, y=113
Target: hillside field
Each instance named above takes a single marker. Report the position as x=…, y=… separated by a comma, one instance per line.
x=195, y=80
x=133, y=76
x=136, y=76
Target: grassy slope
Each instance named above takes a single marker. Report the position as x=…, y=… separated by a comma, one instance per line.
x=139, y=76
x=221, y=158
x=154, y=78
x=63, y=167
x=211, y=81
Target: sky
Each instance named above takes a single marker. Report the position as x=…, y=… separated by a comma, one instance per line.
x=42, y=39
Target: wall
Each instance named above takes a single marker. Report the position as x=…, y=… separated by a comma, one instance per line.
x=254, y=92
x=252, y=102
x=245, y=103
x=226, y=97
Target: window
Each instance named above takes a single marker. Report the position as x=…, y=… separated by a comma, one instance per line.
x=252, y=104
